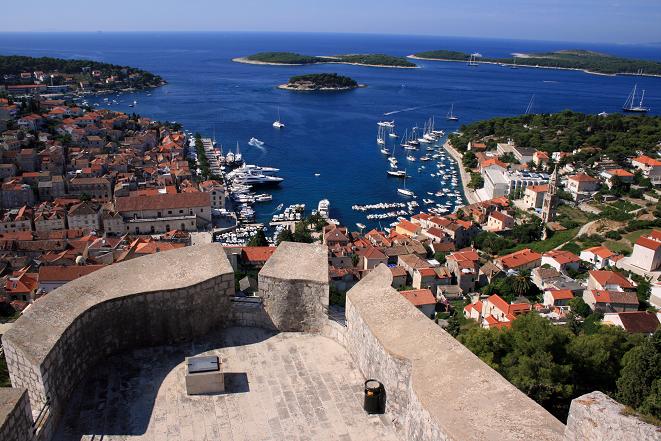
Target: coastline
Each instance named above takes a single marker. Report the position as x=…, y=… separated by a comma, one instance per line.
x=245, y=60
x=527, y=66
x=470, y=194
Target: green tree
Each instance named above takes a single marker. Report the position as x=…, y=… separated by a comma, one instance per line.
x=440, y=257
x=454, y=326
x=258, y=240
x=520, y=284
x=285, y=236
x=578, y=306
x=641, y=369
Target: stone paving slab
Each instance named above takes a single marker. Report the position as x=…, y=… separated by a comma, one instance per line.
x=287, y=386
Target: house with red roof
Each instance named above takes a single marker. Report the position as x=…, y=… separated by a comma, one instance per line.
x=256, y=256
x=610, y=291
x=408, y=228
x=634, y=322
x=521, y=260
x=561, y=260
x=533, y=197
x=371, y=257
x=600, y=257
x=399, y=276
x=647, y=251
x=495, y=312
x=582, y=186
x=52, y=277
x=499, y=221
x=423, y=299
x=557, y=297
x=623, y=175
x=651, y=168
x=465, y=265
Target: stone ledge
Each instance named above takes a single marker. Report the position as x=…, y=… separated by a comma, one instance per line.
x=37, y=331
x=298, y=262
x=596, y=417
x=15, y=415
x=450, y=393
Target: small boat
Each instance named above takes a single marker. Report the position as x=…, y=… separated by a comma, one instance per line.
x=451, y=116
x=385, y=151
x=317, y=174
x=255, y=142
x=380, y=137
x=410, y=158
x=278, y=124
x=390, y=124
x=361, y=226
x=397, y=173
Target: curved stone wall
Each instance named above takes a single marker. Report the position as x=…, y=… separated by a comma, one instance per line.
x=157, y=299
x=436, y=388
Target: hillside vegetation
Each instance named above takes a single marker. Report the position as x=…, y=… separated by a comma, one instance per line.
x=616, y=135
x=12, y=65
x=568, y=59
x=362, y=59
x=323, y=81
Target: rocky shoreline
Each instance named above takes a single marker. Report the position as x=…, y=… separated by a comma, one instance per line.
x=296, y=88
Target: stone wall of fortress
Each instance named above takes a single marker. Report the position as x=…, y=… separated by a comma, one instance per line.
x=436, y=388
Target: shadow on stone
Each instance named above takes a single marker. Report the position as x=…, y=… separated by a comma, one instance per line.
x=98, y=406
x=236, y=382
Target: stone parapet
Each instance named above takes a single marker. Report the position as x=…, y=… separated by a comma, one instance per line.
x=162, y=298
x=15, y=415
x=436, y=388
x=294, y=287
x=596, y=417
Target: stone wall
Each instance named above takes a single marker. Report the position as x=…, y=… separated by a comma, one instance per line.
x=436, y=388
x=15, y=415
x=596, y=417
x=294, y=287
x=163, y=298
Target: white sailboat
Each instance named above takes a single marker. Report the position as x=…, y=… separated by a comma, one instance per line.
x=278, y=124
x=380, y=139
x=404, y=191
x=451, y=116
x=472, y=61
x=630, y=103
x=237, y=156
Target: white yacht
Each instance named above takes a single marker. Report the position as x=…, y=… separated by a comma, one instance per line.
x=397, y=173
x=389, y=124
x=323, y=208
x=253, y=168
x=278, y=124
x=255, y=178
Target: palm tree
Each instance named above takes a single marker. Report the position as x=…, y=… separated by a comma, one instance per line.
x=520, y=284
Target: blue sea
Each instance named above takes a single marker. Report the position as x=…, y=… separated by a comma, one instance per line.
x=333, y=134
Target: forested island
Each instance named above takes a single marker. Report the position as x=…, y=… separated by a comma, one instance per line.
x=20, y=73
x=322, y=82
x=578, y=59
x=617, y=136
x=291, y=58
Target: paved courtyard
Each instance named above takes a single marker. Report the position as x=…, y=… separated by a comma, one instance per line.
x=286, y=386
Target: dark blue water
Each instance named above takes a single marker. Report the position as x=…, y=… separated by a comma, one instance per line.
x=334, y=133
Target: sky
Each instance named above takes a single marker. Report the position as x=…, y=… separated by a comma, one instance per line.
x=607, y=21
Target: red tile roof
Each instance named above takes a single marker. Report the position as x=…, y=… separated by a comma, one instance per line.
x=601, y=251
x=59, y=273
x=419, y=297
x=582, y=177
x=620, y=172
x=163, y=201
x=639, y=321
x=650, y=241
x=615, y=297
x=257, y=254
x=604, y=277
x=562, y=257
x=519, y=258
x=561, y=294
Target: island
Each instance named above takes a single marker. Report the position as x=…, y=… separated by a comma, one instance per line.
x=573, y=59
x=320, y=82
x=294, y=59
x=21, y=75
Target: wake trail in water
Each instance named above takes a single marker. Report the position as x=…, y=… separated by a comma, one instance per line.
x=410, y=109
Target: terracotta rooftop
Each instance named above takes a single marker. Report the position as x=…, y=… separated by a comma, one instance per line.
x=419, y=297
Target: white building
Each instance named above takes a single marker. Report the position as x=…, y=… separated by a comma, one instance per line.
x=647, y=252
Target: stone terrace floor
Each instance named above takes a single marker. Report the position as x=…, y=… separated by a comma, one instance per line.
x=286, y=386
